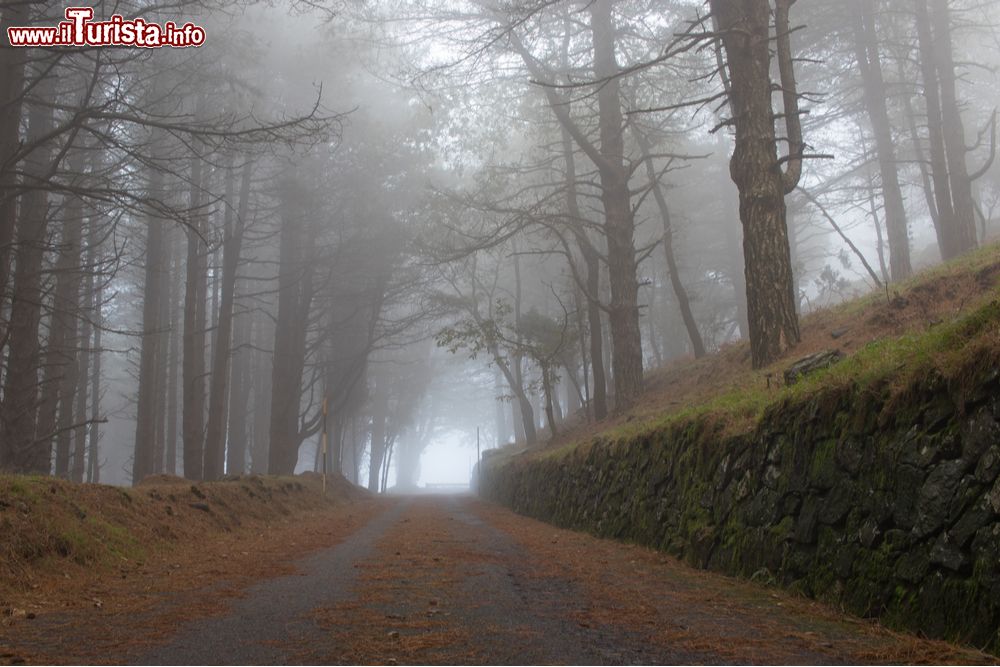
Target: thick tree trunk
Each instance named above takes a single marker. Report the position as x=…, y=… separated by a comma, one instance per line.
x=626, y=338
x=294, y=297
x=380, y=409
x=193, y=369
x=550, y=413
x=78, y=468
x=239, y=396
x=65, y=316
x=873, y=84
x=626, y=353
x=59, y=383
x=174, y=359
x=215, y=439
x=19, y=450
x=502, y=425
x=152, y=363
x=262, y=381
x=95, y=296
x=939, y=161
x=754, y=167
x=963, y=206
x=81, y=461
x=12, y=70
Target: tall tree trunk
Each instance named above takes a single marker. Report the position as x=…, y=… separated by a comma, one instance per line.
x=65, y=316
x=59, y=383
x=95, y=294
x=85, y=350
x=502, y=425
x=619, y=225
x=239, y=396
x=515, y=373
x=193, y=369
x=626, y=338
x=215, y=439
x=262, y=374
x=174, y=358
x=547, y=390
x=873, y=84
x=592, y=262
x=78, y=469
x=19, y=450
x=939, y=161
x=152, y=366
x=380, y=409
x=294, y=297
x=963, y=206
x=754, y=167
x=12, y=70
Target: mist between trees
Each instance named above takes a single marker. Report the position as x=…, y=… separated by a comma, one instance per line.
x=432, y=216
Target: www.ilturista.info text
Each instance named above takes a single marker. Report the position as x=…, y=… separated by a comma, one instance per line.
x=80, y=30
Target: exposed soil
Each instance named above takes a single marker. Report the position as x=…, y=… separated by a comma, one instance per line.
x=444, y=580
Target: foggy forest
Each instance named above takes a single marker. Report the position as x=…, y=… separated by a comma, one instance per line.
x=405, y=228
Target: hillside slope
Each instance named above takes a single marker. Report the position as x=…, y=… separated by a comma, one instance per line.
x=873, y=484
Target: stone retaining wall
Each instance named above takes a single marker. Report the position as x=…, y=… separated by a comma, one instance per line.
x=887, y=506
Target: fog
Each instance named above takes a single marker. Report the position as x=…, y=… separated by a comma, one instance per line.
x=355, y=235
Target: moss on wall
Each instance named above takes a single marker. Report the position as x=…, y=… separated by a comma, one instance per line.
x=887, y=503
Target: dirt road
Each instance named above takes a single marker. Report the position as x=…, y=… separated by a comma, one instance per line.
x=449, y=579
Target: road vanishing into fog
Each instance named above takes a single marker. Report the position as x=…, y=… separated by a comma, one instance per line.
x=453, y=580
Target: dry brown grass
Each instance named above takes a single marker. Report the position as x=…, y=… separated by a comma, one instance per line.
x=937, y=295
x=90, y=573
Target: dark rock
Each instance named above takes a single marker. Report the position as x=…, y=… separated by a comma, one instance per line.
x=936, y=495
x=811, y=364
x=920, y=450
x=968, y=492
x=907, y=489
x=896, y=540
x=988, y=466
x=979, y=433
x=948, y=554
x=978, y=516
x=772, y=475
x=951, y=446
x=201, y=506
x=805, y=527
x=837, y=503
x=763, y=509
x=869, y=533
x=994, y=497
x=850, y=454
x=790, y=504
x=879, y=505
